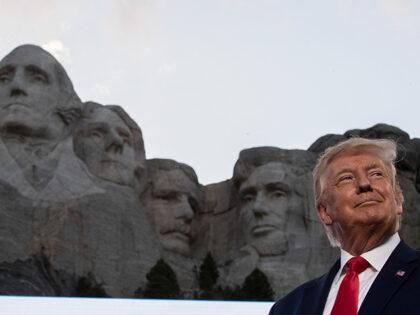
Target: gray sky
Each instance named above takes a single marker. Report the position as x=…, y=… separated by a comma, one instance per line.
x=205, y=79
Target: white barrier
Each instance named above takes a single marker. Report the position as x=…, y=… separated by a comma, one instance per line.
x=12, y=305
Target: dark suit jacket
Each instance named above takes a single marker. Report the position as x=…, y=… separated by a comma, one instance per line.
x=390, y=293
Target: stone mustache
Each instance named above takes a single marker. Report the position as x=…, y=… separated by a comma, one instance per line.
x=76, y=188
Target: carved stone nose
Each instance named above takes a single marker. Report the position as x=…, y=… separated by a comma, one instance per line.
x=258, y=207
x=185, y=210
x=17, y=92
x=17, y=84
x=114, y=143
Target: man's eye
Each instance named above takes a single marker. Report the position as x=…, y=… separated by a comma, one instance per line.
x=6, y=75
x=39, y=78
x=247, y=198
x=4, y=78
x=169, y=197
x=125, y=139
x=377, y=174
x=345, y=178
x=36, y=75
x=95, y=134
x=278, y=194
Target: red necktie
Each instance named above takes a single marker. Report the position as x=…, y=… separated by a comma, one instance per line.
x=348, y=293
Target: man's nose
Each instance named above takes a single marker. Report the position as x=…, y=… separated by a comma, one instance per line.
x=185, y=211
x=114, y=143
x=364, y=184
x=259, y=209
x=17, y=87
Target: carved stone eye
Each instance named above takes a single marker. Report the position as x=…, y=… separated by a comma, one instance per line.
x=125, y=138
x=5, y=78
x=39, y=78
x=6, y=74
x=37, y=75
x=168, y=196
x=278, y=194
x=96, y=134
x=249, y=197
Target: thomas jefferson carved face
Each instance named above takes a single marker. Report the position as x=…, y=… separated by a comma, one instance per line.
x=173, y=203
x=30, y=94
x=107, y=149
x=266, y=199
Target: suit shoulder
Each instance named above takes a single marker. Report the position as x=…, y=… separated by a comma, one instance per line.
x=293, y=301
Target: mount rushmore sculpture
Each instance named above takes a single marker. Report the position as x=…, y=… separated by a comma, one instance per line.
x=78, y=198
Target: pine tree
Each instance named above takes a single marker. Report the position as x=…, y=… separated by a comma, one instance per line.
x=161, y=282
x=208, y=273
x=88, y=287
x=257, y=288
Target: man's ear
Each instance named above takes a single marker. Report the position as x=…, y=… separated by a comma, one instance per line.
x=323, y=215
x=399, y=207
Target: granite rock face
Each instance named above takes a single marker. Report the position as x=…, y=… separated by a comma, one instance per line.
x=70, y=178
x=35, y=276
x=79, y=200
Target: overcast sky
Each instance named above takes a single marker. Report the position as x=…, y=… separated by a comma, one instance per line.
x=205, y=79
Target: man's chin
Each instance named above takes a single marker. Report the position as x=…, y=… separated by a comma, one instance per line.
x=271, y=244
x=176, y=244
x=374, y=217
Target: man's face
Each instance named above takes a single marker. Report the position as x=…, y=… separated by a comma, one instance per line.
x=107, y=144
x=358, y=196
x=173, y=205
x=30, y=94
x=265, y=200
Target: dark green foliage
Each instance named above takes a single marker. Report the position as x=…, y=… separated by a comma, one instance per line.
x=161, y=282
x=208, y=273
x=138, y=293
x=257, y=288
x=87, y=287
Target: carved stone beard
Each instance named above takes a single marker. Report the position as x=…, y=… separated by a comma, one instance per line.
x=37, y=158
x=272, y=245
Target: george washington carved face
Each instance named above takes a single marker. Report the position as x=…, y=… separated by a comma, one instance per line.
x=33, y=89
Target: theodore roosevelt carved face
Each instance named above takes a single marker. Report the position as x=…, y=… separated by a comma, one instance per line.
x=172, y=203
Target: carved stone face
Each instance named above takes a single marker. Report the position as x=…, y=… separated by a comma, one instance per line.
x=173, y=204
x=30, y=94
x=107, y=146
x=266, y=197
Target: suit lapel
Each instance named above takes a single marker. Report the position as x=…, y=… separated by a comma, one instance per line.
x=387, y=281
x=316, y=295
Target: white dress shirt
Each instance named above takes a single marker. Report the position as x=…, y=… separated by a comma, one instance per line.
x=376, y=257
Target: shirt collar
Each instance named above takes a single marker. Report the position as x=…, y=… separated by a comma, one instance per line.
x=376, y=257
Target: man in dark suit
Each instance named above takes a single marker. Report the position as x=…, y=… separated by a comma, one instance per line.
x=359, y=201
